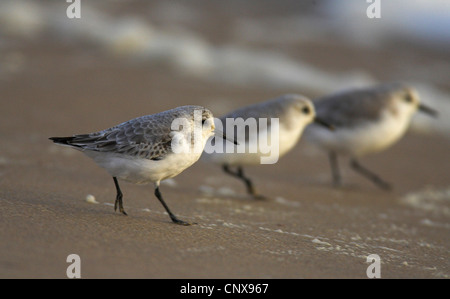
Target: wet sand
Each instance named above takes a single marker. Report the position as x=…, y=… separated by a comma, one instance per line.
x=305, y=229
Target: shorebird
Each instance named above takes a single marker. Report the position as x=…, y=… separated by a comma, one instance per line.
x=366, y=121
x=148, y=149
x=278, y=122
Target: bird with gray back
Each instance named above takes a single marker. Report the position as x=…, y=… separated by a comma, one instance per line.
x=291, y=111
x=366, y=120
x=142, y=150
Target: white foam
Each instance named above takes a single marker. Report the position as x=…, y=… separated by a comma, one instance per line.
x=432, y=200
x=130, y=36
x=22, y=18
x=91, y=199
x=423, y=21
x=188, y=53
x=317, y=241
x=242, y=66
x=191, y=54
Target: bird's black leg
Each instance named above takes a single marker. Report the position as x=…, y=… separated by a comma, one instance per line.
x=370, y=175
x=334, y=169
x=248, y=183
x=119, y=196
x=172, y=216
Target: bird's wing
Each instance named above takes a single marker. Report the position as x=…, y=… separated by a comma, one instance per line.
x=142, y=137
x=349, y=109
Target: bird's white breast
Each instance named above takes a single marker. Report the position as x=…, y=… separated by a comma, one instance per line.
x=142, y=171
x=367, y=137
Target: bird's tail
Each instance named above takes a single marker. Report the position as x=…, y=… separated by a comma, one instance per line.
x=64, y=141
x=61, y=140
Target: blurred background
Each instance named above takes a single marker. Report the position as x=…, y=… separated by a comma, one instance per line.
x=141, y=57
x=123, y=59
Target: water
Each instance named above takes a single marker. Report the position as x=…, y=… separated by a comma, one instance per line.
x=254, y=55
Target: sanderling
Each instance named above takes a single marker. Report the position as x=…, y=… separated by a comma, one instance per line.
x=142, y=150
x=366, y=121
x=286, y=118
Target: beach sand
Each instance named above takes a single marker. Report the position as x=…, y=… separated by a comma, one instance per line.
x=304, y=229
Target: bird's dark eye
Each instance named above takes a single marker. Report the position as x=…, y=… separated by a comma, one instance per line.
x=306, y=110
x=408, y=98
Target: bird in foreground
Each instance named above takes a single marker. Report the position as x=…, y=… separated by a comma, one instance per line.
x=366, y=121
x=291, y=111
x=148, y=149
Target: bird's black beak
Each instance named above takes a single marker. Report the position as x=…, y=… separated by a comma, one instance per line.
x=323, y=123
x=221, y=134
x=428, y=110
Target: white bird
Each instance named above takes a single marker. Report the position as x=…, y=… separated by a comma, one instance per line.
x=366, y=121
x=148, y=149
x=285, y=119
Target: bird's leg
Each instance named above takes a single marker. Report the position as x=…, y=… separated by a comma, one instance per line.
x=248, y=183
x=335, y=169
x=119, y=196
x=172, y=216
x=370, y=175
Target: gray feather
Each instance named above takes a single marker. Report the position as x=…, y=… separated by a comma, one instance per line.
x=144, y=137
